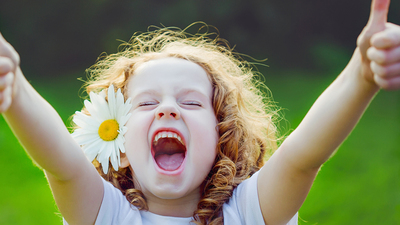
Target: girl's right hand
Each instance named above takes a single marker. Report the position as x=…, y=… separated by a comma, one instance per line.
x=9, y=65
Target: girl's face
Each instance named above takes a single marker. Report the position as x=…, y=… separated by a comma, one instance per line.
x=172, y=137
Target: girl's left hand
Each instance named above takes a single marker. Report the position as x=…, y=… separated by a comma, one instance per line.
x=384, y=54
x=9, y=65
x=379, y=44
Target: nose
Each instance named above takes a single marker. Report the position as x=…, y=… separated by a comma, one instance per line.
x=168, y=110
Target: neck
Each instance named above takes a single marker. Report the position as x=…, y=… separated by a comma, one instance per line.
x=180, y=207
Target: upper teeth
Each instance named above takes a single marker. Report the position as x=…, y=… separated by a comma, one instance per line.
x=168, y=134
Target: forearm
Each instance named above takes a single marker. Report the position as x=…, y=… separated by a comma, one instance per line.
x=331, y=118
x=41, y=131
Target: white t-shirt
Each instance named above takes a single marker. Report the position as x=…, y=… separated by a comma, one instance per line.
x=243, y=208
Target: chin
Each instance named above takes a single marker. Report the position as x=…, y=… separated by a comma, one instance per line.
x=169, y=192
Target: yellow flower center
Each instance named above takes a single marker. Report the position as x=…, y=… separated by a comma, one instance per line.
x=108, y=130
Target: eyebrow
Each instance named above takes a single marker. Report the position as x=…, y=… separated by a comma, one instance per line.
x=182, y=91
x=191, y=90
x=146, y=92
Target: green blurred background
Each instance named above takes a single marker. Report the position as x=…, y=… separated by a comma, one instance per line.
x=307, y=44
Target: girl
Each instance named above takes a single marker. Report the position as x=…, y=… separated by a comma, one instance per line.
x=179, y=131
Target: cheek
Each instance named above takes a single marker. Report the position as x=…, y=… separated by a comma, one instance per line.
x=204, y=156
x=205, y=139
x=136, y=140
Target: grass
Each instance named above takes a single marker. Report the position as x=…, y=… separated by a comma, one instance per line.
x=359, y=185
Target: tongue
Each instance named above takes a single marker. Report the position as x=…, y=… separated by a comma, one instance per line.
x=170, y=162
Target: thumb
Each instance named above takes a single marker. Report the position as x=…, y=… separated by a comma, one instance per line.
x=378, y=16
x=1, y=37
x=7, y=50
x=376, y=23
x=3, y=41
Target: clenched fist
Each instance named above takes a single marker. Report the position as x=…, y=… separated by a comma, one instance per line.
x=379, y=44
x=9, y=65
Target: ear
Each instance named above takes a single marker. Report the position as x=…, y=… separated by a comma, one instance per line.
x=124, y=161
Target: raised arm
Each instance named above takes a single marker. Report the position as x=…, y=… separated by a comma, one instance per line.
x=76, y=186
x=286, y=179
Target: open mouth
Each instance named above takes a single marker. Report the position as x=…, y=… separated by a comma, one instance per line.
x=168, y=150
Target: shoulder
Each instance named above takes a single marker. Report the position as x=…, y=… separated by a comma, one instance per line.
x=244, y=206
x=115, y=208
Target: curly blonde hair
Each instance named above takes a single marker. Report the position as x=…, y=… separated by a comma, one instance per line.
x=245, y=115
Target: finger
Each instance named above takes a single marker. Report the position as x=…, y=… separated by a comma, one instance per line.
x=3, y=44
x=376, y=23
x=7, y=50
x=5, y=99
x=388, y=84
x=384, y=57
x=388, y=38
x=6, y=81
x=6, y=65
x=386, y=71
x=378, y=16
x=2, y=39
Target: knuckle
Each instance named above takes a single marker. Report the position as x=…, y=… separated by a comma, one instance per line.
x=6, y=65
x=377, y=69
x=394, y=36
x=394, y=71
x=371, y=53
x=387, y=83
x=6, y=81
x=382, y=83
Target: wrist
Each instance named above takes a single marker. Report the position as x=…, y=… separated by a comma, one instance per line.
x=359, y=73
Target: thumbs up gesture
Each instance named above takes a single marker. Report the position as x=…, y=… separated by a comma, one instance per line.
x=379, y=45
x=9, y=64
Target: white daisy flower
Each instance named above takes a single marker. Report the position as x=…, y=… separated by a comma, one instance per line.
x=101, y=134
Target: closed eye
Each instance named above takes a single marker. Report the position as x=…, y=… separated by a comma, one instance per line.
x=194, y=103
x=147, y=103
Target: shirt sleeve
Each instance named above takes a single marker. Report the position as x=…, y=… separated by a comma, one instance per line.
x=115, y=209
x=244, y=206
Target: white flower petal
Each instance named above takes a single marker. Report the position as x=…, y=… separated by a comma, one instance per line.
x=103, y=156
x=101, y=107
x=90, y=108
x=127, y=106
x=93, y=110
x=103, y=93
x=112, y=102
x=118, y=154
x=119, y=98
x=104, y=164
x=120, y=142
x=114, y=157
x=91, y=150
x=100, y=110
x=124, y=119
x=85, y=139
x=123, y=130
x=89, y=129
x=83, y=131
x=120, y=108
x=83, y=120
